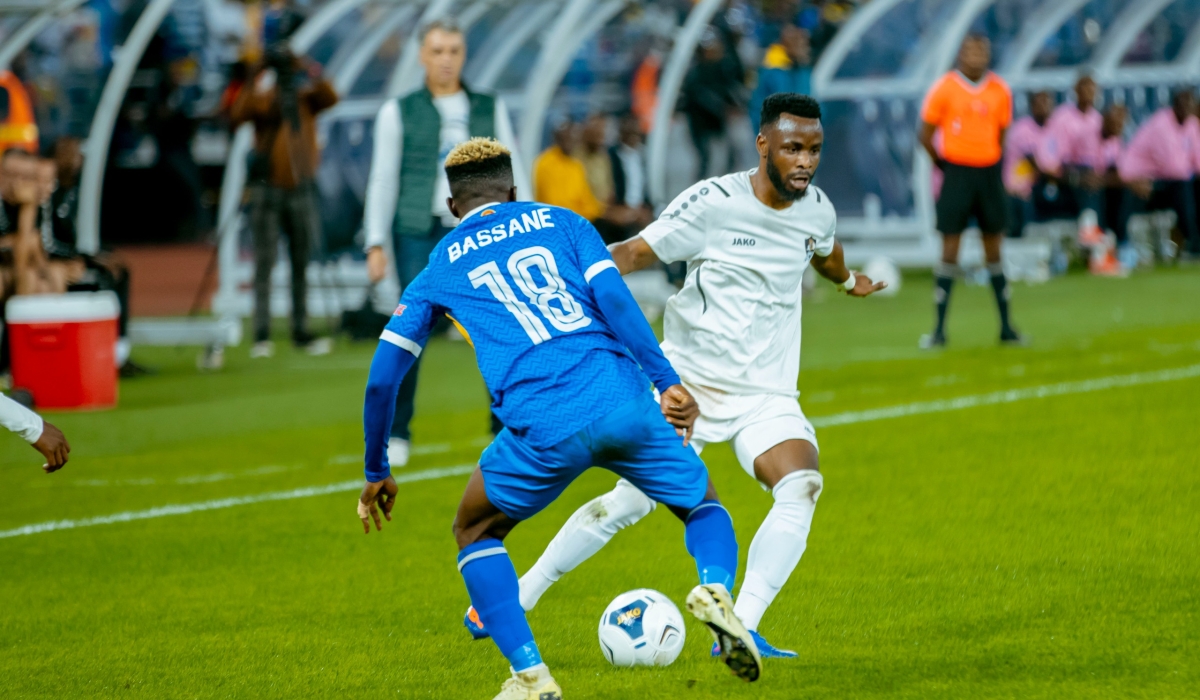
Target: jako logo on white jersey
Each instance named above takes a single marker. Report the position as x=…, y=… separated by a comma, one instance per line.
x=743, y=241
x=529, y=221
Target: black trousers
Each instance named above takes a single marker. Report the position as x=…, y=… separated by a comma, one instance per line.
x=107, y=277
x=292, y=213
x=1178, y=196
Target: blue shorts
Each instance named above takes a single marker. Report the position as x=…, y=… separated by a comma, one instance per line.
x=634, y=441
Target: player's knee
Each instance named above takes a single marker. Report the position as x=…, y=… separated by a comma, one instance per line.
x=803, y=486
x=623, y=506
x=628, y=504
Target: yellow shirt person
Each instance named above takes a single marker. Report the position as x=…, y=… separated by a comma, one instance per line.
x=560, y=180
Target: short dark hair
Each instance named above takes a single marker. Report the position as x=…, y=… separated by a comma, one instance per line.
x=792, y=103
x=480, y=164
x=444, y=24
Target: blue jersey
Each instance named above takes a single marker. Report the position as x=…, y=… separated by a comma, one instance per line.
x=516, y=277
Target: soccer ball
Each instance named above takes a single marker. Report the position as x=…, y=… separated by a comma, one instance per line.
x=641, y=628
x=881, y=269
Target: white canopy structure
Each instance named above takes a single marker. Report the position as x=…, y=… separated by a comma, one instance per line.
x=870, y=79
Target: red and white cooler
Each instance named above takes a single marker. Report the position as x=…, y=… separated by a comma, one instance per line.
x=63, y=348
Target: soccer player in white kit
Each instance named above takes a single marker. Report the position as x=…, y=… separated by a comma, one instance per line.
x=733, y=334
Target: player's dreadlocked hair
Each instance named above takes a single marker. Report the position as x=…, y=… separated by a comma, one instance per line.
x=791, y=103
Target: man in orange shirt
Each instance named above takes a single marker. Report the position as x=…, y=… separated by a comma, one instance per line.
x=972, y=107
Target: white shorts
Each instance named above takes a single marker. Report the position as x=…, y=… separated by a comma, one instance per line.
x=754, y=423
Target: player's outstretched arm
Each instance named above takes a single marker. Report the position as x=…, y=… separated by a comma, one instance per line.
x=632, y=255
x=833, y=268
x=388, y=368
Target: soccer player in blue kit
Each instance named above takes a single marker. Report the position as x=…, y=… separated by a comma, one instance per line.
x=559, y=340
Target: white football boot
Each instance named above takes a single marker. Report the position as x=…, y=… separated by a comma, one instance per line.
x=712, y=605
x=534, y=683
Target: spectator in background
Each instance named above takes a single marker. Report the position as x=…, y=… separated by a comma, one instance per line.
x=593, y=153
x=618, y=221
x=561, y=179
x=1021, y=171
x=174, y=128
x=1112, y=200
x=105, y=270
x=824, y=20
x=631, y=187
x=1067, y=155
x=786, y=67
x=643, y=89
x=27, y=268
x=710, y=92
x=1158, y=166
x=407, y=188
x=282, y=100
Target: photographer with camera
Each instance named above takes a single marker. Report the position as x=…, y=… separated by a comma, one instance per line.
x=282, y=99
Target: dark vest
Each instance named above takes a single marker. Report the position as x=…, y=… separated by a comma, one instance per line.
x=419, y=164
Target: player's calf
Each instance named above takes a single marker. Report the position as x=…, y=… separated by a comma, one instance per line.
x=585, y=533
x=779, y=543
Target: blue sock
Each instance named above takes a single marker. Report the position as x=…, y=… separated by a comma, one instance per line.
x=708, y=534
x=492, y=582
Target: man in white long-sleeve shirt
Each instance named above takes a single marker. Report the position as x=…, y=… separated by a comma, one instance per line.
x=44, y=437
x=407, y=192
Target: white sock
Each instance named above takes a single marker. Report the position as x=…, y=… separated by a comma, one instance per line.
x=778, y=544
x=585, y=533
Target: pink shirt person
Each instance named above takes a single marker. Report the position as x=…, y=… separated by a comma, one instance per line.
x=1110, y=154
x=1071, y=138
x=1021, y=143
x=1162, y=149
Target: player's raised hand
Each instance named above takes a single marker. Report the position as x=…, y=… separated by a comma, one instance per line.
x=53, y=446
x=380, y=495
x=680, y=410
x=864, y=287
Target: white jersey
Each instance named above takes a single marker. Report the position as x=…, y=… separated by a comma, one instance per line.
x=735, y=324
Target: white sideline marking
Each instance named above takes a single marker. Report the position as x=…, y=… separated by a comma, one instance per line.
x=1010, y=396
x=185, y=508
x=912, y=409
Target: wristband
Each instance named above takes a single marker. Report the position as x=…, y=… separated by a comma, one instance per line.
x=848, y=285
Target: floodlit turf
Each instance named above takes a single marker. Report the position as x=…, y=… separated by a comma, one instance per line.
x=1040, y=548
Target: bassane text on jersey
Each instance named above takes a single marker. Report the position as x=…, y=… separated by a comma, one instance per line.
x=528, y=221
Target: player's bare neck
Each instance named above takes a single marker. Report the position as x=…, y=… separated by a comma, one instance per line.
x=765, y=190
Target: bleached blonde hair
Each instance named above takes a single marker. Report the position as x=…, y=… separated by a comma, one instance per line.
x=476, y=150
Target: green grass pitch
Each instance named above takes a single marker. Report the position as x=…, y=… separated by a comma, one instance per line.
x=1045, y=547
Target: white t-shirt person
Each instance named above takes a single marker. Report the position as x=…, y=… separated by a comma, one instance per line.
x=735, y=325
x=383, y=184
